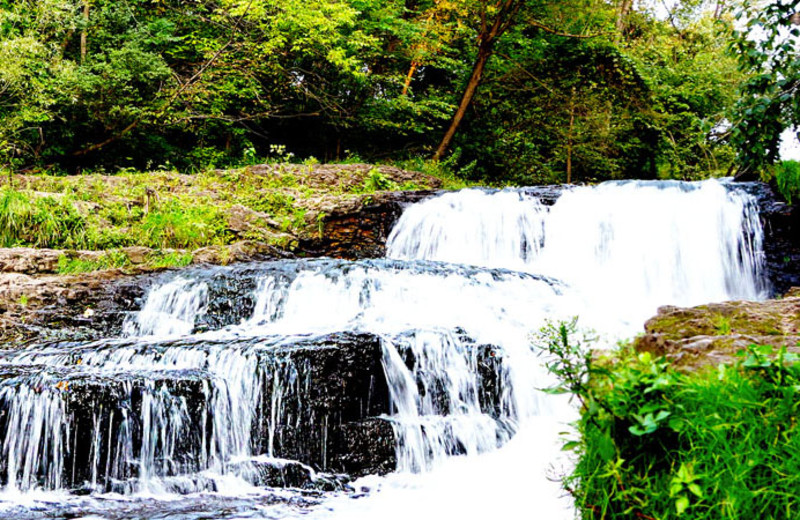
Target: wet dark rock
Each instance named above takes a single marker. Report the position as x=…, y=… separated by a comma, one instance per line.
x=100, y=411
x=547, y=195
x=340, y=386
x=366, y=447
x=329, y=395
x=355, y=227
x=781, y=224
x=275, y=473
x=281, y=473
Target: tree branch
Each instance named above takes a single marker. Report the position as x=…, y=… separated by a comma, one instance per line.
x=545, y=28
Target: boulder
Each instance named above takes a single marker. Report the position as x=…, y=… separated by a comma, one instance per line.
x=715, y=333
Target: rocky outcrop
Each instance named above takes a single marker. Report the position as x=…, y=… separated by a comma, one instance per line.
x=713, y=334
x=781, y=225
x=355, y=227
x=77, y=306
x=347, y=177
x=27, y=260
x=322, y=406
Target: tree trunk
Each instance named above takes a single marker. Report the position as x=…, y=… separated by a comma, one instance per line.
x=569, y=135
x=409, y=77
x=488, y=35
x=622, y=14
x=484, y=52
x=84, y=31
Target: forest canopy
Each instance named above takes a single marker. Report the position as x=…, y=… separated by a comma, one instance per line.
x=504, y=90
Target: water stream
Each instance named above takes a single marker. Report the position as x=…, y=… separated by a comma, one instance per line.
x=211, y=394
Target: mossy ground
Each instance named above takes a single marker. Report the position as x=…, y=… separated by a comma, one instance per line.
x=177, y=213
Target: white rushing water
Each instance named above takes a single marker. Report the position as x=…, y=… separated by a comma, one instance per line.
x=471, y=274
x=624, y=247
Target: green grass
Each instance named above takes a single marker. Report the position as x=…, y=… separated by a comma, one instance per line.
x=787, y=179
x=452, y=178
x=108, y=260
x=653, y=442
x=165, y=210
x=39, y=221
x=115, y=259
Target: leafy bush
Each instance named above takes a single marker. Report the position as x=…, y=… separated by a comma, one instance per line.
x=787, y=178
x=658, y=443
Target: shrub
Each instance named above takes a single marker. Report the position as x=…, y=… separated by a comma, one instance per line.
x=653, y=442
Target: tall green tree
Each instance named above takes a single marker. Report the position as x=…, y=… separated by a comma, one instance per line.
x=31, y=69
x=768, y=48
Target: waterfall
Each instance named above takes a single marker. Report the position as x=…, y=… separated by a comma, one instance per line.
x=226, y=375
x=632, y=245
x=170, y=310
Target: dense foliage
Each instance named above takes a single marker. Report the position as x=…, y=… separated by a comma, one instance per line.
x=530, y=90
x=768, y=46
x=718, y=443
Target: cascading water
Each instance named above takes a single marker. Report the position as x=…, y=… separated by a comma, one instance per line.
x=632, y=245
x=317, y=356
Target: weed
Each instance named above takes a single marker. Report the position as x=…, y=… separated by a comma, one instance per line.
x=377, y=181
x=722, y=324
x=787, y=179
x=160, y=260
x=39, y=221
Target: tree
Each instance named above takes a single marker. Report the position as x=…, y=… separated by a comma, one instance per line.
x=694, y=84
x=495, y=19
x=768, y=49
x=30, y=63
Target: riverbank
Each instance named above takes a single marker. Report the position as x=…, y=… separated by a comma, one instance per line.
x=172, y=215
x=66, y=239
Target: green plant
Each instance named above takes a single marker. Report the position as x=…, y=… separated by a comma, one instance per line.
x=182, y=225
x=378, y=181
x=684, y=486
x=722, y=324
x=718, y=443
x=161, y=260
x=446, y=171
x=39, y=221
x=280, y=154
x=787, y=179
x=108, y=260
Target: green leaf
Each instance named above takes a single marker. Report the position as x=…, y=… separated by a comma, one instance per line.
x=606, y=448
x=681, y=504
x=570, y=446
x=695, y=489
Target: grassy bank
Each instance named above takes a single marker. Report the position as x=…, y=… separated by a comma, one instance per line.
x=165, y=210
x=656, y=443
